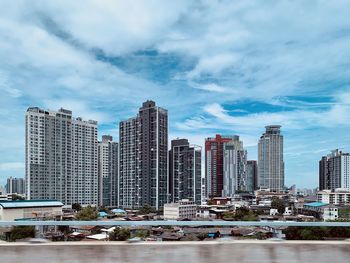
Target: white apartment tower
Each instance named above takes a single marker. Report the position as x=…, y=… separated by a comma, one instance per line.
x=108, y=171
x=61, y=157
x=235, y=167
x=270, y=159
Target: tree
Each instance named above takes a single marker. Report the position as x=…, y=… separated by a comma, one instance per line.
x=146, y=209
x=76, y=207
x=103, y=209
x=16, y=197
x=20, y=232
x=119, y=234
x=278, y=204
x=244, y=214
x=87, y=214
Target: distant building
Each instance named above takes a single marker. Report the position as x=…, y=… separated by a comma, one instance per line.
x=321, y=210
x=214, y=165
x=15, y=186
x=143, y=171
x=30, y=210
x=185, y=171
x=337, y=197
x=61, y=157
x=334, y=171
x=252, y=176
x=270, y=159
x=235, y=167
x=180, y=210
x=108, y=171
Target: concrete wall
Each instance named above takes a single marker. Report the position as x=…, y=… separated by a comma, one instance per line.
x=174, y=252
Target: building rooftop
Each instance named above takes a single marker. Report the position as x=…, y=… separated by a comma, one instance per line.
x=316, y=204
x=29, y=203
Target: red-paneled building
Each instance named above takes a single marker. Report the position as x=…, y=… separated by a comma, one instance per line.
x=214, y=165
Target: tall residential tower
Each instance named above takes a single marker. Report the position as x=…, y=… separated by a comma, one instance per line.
x=143, y=172
x=108, y=171
x=270, y=159
x=61, y=157
x=184, y=171
x=334, y=171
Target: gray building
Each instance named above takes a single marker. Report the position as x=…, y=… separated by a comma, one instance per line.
x=143, y=172
x=61, y=157
x=184, y=171
x=270, y=159
x=235, y=165
x=252, y=175
x=334, y=171
x=108, y=171
x=15, y=186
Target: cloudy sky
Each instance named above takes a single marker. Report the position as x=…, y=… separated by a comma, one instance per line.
x=227, y=67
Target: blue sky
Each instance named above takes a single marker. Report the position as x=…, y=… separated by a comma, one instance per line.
x=228, y=67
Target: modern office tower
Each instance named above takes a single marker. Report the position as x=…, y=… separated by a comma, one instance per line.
x=252, y=175
x=108, y=171
x=214, y=165
x=61, y=157
x=270, y=159
x=334, y=171
x=143, y=172
x=15, y=186
x=235, y=165
x=184, y=171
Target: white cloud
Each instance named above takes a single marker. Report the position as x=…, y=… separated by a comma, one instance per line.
x=12, y=166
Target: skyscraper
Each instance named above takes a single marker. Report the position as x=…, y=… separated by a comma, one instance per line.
x=334, y=171
x=214, y=165
x=235, y=165
x=184, y=171
x=108, y=171
x=61, y=157
x=252, y=175
x=143, y=174
x=270, y=159
x=15, y=186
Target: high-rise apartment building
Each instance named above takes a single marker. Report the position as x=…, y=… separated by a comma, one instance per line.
x=270, y=159
x=214, y=165
x=61, y=157
x=235, y=165
x=15, y=186
x=108, y=171
x=143, y=171
x=334, y=171
x=184, y=171
x=252, y=175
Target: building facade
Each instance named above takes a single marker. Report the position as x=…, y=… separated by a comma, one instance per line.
x=337, y=197
x=270, y=159
x=143, y=172
x=214, y=165
x=184, y=171
x=108, y=171
x=180, y=210
x=235, y=167
x=334, y=171
x=252, y=175
x=61, y=157
x=15, y=186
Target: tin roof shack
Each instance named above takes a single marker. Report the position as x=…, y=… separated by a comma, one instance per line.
x=30, y=210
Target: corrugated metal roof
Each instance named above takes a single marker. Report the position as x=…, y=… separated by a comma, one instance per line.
x=29, y=203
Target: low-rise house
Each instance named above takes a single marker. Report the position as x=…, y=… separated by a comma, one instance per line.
x=30, y=210
x=338, y=197
x=321, y=211
x=182, y=209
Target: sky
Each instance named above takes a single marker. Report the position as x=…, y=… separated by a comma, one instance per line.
x=228, y=67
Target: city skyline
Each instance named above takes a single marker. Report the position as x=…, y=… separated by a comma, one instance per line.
x=217, y=67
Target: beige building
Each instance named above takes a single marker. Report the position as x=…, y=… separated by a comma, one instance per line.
x=180, y=210
x=30, y=209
